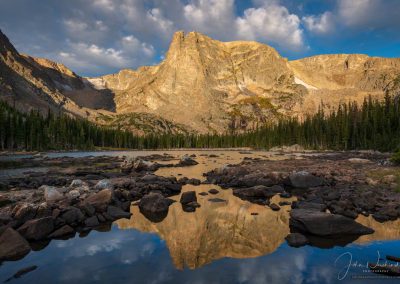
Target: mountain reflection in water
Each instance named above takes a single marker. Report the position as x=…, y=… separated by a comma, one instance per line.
x=222, y=242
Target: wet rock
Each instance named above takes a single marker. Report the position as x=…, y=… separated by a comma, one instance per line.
x=188, y=196
x=117, y=213
x=296, y=240
x=92, y=221
x=213, y=191
x=51, y=193
x=37, y=229
x=274, y=207
x=193, y=181
x=22, y=272
x=324, y=224
x=154, y=206
x=186, y=161
x=62, y=232
x=12, y=245
x=104, y=184
x=73, y=216
x=88, y=209
x=285, y=195
x=100, y=200
x=309, y=205
x=304, y=179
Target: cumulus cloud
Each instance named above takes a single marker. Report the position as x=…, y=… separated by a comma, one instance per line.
x=271, y=22
x=321, y=24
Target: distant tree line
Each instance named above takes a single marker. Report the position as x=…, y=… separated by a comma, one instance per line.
x=372, y=125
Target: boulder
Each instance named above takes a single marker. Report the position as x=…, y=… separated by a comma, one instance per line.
x=104, y=184
x=100, y=200
x=187, y=161
x=188, y=196
x=193, y=181
x=140, y=165
x=24, y=212
x=296, y=240
x=117, y=213
x=52, y=194
x=274, y=207
x=37, y=229
x=92, y=221
x=154, y=206
x=77, y=183
x=12, y=245
x=213, y=191
x=324, y=224
x=63, y=231
x=73, y=194
x=73, y=216
x=308, y=205
x=304, y=179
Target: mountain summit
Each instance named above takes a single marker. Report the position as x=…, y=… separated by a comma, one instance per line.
x=203, y=85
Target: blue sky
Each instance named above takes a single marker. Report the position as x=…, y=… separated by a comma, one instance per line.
x=95, y=37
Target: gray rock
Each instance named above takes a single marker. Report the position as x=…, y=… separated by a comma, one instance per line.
x=304, y=179
x=37, y=229
x=104, y=184
x=325, y=224
x=12, y=245
x=117, y=213
x=51, y=193
x=296, y=240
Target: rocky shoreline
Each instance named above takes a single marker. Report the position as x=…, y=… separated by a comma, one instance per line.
x=331, y=191
x=77, y=195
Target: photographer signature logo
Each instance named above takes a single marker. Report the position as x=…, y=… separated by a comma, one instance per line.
x=346, y=261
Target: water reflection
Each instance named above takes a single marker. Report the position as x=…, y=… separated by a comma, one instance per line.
x=224, y=241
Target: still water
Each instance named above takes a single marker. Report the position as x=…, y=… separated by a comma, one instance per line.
x=222, y=242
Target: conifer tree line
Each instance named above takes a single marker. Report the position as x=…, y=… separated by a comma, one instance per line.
x=372, y=125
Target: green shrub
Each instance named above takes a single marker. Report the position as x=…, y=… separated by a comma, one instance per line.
x=396, y=158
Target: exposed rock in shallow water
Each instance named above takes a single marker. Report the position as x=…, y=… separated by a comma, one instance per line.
x=325, y=224
x=304, y=179
x=154, y=206
x=188, y=196
x=12, y=245
x=100, y=200
x=63, y=231
x=37, y=229
x=117, y=213
x=296, y=240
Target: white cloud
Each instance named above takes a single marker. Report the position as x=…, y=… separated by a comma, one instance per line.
x=355, y=12
x=91, y=57
x=321, y=24
x=271, y=23
x=213, y=17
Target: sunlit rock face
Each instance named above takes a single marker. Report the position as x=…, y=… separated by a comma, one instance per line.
x=203, y=85
x=216, y=230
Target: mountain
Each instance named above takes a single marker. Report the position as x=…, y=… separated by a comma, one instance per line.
x=203, y=85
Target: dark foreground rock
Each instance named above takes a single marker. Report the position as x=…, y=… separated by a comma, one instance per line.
x=296, y=240
x=324, y=224
x=12, y=245
x=155, y=206
x=37, y=229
